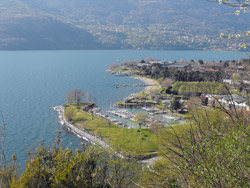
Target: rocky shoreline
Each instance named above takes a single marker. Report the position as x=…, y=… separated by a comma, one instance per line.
x=80, y=132
x=92, y=138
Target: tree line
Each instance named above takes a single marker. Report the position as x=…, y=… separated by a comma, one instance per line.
x=189, y=88
x=75, y=96
x=57, y=166
x=157, y=72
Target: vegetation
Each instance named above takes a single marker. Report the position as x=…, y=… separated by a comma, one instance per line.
x=75, y=96
x=70, y=114
x=157, y=72
x=212, y=150
x=175, y=105
x=189, y=88
x=130, y=141
x=141, y=119
x=88, y=167
x=114, y=66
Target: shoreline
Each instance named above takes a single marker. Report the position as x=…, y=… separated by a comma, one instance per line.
x=147, y=81
x=80, y=132
x=91, y=137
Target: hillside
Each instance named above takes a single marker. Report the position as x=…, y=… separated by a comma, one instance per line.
x=98, y=24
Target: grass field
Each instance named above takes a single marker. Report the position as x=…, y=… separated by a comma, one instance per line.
x=130, y=141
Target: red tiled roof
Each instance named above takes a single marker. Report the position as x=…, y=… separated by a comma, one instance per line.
x=213, y=70
x=230, y=70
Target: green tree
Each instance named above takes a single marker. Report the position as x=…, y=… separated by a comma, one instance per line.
x=141, y=119
x=70, y=114
x=89, y=167
x=157, y=123
x=175, y=104
x=184, y=90
x=212, y=150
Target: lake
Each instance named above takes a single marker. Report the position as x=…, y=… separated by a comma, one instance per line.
x=32, y=82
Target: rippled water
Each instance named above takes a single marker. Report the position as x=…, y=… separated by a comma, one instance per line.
x=32, y=82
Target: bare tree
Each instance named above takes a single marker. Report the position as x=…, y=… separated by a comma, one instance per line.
x=114, y=66
x=75, y=96
x=95, y=101
x=70, y=97
x=87, y=96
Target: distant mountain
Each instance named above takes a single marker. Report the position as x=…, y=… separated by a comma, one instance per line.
x=46, y=33
x=26, y=28
x=116, y=24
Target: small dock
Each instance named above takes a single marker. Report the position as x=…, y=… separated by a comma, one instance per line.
x=123, y=113
x=132, y=85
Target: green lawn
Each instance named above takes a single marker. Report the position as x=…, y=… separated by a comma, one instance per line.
x=124, y=69
x=130, y=141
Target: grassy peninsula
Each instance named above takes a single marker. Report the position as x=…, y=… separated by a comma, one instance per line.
x=138, y=142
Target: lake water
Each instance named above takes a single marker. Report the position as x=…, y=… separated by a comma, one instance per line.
x=32, y=82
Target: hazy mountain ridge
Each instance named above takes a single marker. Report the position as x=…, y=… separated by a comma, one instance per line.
x=24, y=27
x=145, y=24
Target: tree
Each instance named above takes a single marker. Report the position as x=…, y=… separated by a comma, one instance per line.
x=200, y=62
x=114, y=66
x=184, y=90
x=167, y=82
x=192, y=62
x=70, y=114
x=70, y=97
x=175, y=104
x=194, y=102
x=87, y=96
x=157, y=123
x=75, y=96
x=123, y=172
x=141, y=119
x=88, y=166
x=211, y=150
x=142, y=61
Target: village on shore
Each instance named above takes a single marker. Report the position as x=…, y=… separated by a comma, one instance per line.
x=179, y=82
x=171, y=89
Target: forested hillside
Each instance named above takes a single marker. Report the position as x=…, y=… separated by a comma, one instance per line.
x=129, y=24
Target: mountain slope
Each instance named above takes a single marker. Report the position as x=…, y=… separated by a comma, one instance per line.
x=23, y=27
x=145, y=24
x=46, y=33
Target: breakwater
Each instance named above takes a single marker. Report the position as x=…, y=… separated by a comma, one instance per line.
x=80, y=132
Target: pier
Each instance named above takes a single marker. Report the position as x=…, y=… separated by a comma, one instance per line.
x=132, y=85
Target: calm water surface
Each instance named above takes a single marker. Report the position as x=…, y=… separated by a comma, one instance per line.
x=32, y=82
